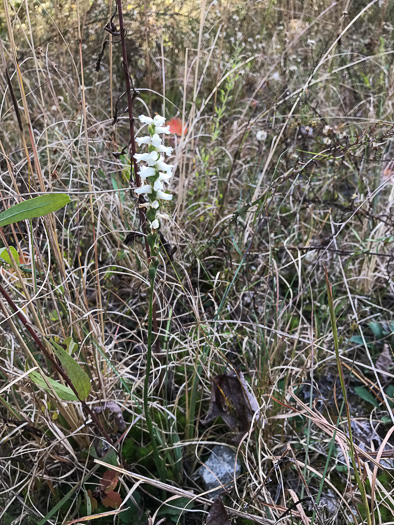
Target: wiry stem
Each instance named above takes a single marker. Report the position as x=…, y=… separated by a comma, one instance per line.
x=137, y=181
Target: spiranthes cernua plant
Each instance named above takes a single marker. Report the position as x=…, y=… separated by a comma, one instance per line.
x=154, y=174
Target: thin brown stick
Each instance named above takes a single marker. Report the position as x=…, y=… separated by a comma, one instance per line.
x=137, y=180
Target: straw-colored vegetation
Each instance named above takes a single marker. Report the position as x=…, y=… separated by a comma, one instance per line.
x=270, y=325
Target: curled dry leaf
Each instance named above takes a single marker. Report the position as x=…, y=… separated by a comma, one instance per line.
x=218, y=515
x=93, y=501
x=233, y=400
x=176, y=127
x=114, y=409
x=385, y=362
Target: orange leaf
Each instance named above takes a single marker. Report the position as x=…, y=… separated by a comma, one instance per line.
x=176, y=127
x=113, y=500
x=93, y=501
x=109, y=481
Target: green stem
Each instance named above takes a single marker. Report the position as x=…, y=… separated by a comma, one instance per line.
x=344, y=393
x=153, y=435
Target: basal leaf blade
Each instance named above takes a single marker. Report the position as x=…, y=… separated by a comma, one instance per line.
x=36, y=207
x=5, y=256
x=64, y=392
x=77, y=375
x=366, y=395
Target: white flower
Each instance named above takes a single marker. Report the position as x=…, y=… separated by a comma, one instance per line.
x=160, y=165
x=165, y=176
x=155, y=224
x=150, y=158
x=143, y=140
x=145, y=120
x=146, y=172
x=261, y=135
x=164, y=149
x=164, y=196
x=143, y=190
x=154, y=204
x=160, y=129
x=311, y=42
x=156, y=140
x=158, y=185
x=158, y=120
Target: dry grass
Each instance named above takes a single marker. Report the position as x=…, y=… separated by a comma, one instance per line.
x=283, y=171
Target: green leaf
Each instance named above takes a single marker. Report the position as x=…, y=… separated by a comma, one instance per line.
x=390, y=394
x=5, y=256
x=64, y=392
x=366, y=395
x=376, y=329
x=72, y=346
x=359, y=341
x=111, y=458
x=36, y=207
x=77, y=376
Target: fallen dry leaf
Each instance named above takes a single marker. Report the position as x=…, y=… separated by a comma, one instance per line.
x=385, y=362
x=93, y=501
x=109, y=481
x=176, y=127
x=113, y=500
x=114, y=409
x=218, y=515
x=233, y=400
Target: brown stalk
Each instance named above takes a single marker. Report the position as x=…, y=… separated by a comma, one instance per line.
x=137, y=181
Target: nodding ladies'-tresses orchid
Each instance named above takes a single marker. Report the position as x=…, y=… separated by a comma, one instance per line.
x=154, y=173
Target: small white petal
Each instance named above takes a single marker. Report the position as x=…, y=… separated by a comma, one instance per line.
x=160, y=165
x=164, y=149
x=145, y=120
x=165, y=176
x=146, y=172
x=143, y=140
x=150, y=158
x=153, y=204
x=155, y=224
x=158, y=120
x=143, y=190
x=156, y=140
x=164, y=196
x=158, y=185
x=161, y=129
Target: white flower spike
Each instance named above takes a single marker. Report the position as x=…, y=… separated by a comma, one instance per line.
x=155, y=172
